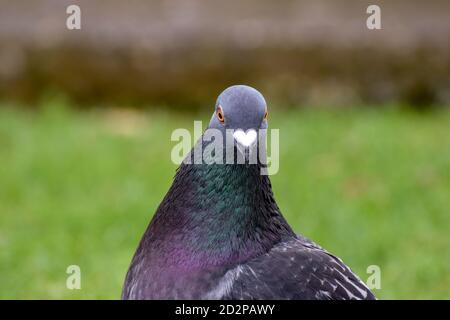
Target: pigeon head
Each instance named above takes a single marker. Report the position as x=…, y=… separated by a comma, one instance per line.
x=241, y=110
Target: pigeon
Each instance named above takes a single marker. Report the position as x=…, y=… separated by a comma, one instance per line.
x=219, y=234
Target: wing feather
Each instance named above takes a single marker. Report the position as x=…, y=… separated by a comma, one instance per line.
x=298, y=269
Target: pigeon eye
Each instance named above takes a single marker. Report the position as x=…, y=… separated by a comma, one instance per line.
x=219, y=114
x=266, y=115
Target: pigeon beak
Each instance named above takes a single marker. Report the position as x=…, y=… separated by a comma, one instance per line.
x=245, y=141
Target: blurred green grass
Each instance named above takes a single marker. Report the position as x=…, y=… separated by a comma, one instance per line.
x=79, y=188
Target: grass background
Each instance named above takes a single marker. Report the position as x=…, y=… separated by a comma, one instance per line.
x=79, y=188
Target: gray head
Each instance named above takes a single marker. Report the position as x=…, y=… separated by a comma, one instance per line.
x=243, y=110
x=240, y=107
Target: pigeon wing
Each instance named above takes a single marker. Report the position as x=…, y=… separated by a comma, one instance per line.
x=298, y=269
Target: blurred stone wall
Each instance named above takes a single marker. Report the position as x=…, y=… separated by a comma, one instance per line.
x=183, y=52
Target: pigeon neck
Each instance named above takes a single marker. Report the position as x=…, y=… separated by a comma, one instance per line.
x=219, y=214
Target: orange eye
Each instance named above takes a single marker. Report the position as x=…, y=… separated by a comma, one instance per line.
x=219, y=114
x=266, y=115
